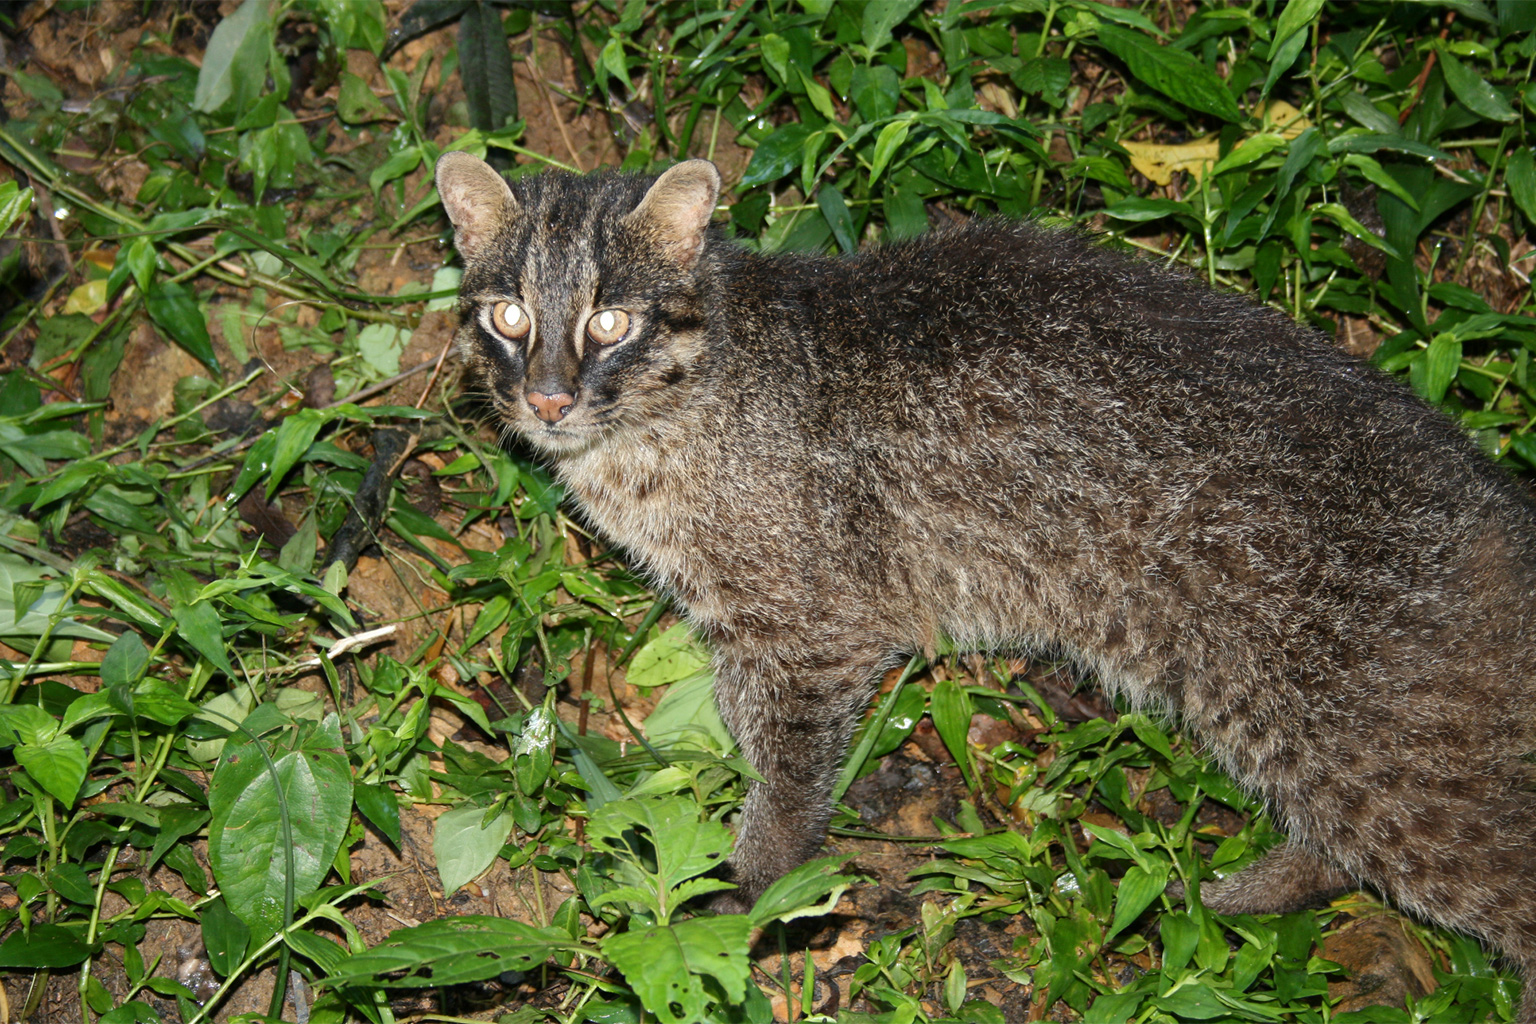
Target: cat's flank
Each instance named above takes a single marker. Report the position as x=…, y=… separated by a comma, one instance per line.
x=1017, y=439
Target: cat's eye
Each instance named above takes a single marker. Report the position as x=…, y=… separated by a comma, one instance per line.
x=509, y=320
x=608, y=326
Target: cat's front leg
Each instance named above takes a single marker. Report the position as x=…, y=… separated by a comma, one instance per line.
x=792, y=712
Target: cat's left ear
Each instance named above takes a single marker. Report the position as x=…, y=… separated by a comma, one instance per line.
x=478, y=200
x=677, y=209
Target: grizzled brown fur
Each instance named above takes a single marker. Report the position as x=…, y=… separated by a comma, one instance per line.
x=1018, y=439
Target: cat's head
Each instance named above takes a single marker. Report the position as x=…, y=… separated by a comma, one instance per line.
x=579, y=305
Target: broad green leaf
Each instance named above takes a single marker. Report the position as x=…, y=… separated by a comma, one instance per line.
x=1520, y=176
x=1196, y=1001
x=225, y=936
x=236, y=52
x=174, y=309
x=666, y=965
x=247, y=844
x=834, y=208
x=485, y=68
x=381, y=807
x=33, y=619
x=57, y=764
x=258, y=462
x=669, y=657
x=1474, y=93
x=71, y=882
x=1139, y=888
x=1138, y=209
x=684, y=845
x=1441, y=361
x=1175, y=73
x=881, y=17
x=464, y=847
x=886, y=144
x=950, y=708
x=612, y=60
x=356, y=103
x=775, y=51
x=294, y=437
x=812, y=888
x=1291, y=33
x=450, y=951
x=200, y=626
x=687, y=715
x=777, y=155
x=42, y=946
x=13, y=203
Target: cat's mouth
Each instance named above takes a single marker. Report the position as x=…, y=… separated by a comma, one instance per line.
x=567, y=437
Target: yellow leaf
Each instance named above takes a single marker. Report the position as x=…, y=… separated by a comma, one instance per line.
x=1279, y=116
x=87, y=298
x=1159, y=162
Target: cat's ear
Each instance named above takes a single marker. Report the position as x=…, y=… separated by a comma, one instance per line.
x=677, y=209
x=478, y=200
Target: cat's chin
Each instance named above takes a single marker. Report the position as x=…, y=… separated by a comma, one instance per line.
x=560, y=441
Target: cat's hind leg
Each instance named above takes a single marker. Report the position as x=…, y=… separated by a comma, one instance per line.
x=1285, y=879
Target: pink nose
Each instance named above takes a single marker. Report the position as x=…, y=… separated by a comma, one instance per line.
x=550, y=408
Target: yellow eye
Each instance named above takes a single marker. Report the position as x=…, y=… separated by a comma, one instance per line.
x=608, y=326
x=509, y=320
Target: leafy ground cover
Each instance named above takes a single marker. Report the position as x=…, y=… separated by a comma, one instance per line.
x=316, y=705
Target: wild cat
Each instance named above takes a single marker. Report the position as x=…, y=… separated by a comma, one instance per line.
x=1015, y=438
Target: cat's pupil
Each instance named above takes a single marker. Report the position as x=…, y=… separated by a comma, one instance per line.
x=606, y=320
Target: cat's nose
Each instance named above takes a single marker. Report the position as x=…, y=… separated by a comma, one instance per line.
x=550, y=408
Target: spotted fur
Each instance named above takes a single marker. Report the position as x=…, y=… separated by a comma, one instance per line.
x=1017, y=439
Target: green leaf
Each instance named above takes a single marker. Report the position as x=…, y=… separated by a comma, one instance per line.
x=58, y=765
x=1172, y=72
x=71, y=882
x=810, y=889
x=381, y=807
x=124, y=661
x=834, y=208
x=612, y=60
x=464, y=847
x=450, y=951
x=13, y=203
x=672, y=656
x=294, y=437
x=684, y=845
x=174, y=309
x=44, y=945
x=1474, y=93
x=950, y=708
x=881, y=17
x=1138, y=209
x=1520, y=176
x=1290, y=36
x=32, y=619
x=485, y=68
x=247, y=845
x=886, y=144
x=235, y=56
x=258, y=461
x=225, y=936
x=777, y=155
x=666, y=965
x=1139, y=888
x=200, y=626
x=1441, y=361
x=356, y=103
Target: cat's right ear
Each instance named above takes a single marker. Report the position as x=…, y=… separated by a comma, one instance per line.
x=478, y=200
